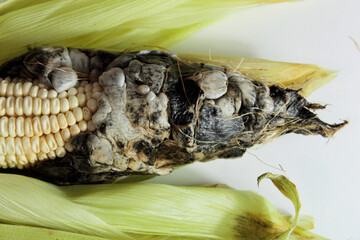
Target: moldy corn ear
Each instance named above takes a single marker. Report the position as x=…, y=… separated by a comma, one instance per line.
x=79, y=116
x=132, y=211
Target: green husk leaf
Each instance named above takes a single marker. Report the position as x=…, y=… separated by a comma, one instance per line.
x=288, y=189
x=39, y=204
x=145, y=211
x=18, y=232
x=108, y=25
x=296, y=230
x=305, y=222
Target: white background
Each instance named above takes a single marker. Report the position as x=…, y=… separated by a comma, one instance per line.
x=326, y=172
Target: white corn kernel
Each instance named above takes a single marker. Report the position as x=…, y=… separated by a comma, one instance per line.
x=88, y=87
x=37, y=102
x=28, y=127
x=78, y=113
x=52, y=155
x=72, y=92
x=81, y=90
x=10, y=106
x=55, y=106
x=35, y=144
x=26, y=88
x=10, y=89
x=63, y=94
x=69, y=147
x=73, y=102
x=3, y=162
x=10, y=146
x=3, y=87
x=12, y=127
x=50, y=139
x=83, y=126
x=87, y=114
x=45, y=108
x=20, y=126
x=59, y=140
x=18, y=89
x=70, y=118
x=92, y=105
x=28, y=106
x=88, y=95
x=4, y=127
x=96, y=95
x=74, y=130
x=37, y=126
x=11, y=161
x=42, y=156
x=54, y=124
x=44, y=147
x=64, y=105
x=45, y=124
x=2, y=146
x=82, y=99
x=33, y=92
x=2, y=106
x=52, y=94
x=31, y=157
x=96, y=85
x=18, y=146
x=97, y=89
x=43, y=93
x=19, y=106
x=41, y=85
x=21, y=160
x=26, y=144
x=65, y=134
x=62, y=121
x=60, y=152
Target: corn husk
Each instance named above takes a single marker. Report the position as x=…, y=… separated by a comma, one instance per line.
x=303, y=77
x=109, y=25
x=34, y=208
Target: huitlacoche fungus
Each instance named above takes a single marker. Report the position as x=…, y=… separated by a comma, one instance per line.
x=83, y=116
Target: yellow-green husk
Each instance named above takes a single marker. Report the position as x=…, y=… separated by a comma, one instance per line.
x=143, y=211
x=109, y=25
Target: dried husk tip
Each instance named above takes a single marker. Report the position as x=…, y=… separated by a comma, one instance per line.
x=144, y=211
x=305, y=78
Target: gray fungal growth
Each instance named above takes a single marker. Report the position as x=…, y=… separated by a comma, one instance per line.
x=63, y=79
x=150, y=112
x=212, y=83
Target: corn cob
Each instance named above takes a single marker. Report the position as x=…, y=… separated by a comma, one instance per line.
x=93, y=116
